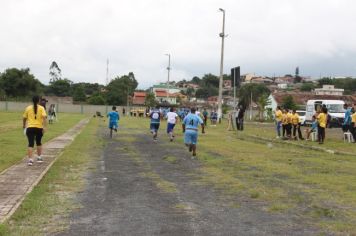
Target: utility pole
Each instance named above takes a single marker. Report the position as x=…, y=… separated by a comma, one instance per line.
x=107, y=72
x=168, y=69
x=222, y=35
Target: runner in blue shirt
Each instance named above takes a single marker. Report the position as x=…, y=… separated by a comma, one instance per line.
x=155, y=116
x=190, y=127
x=113, y=120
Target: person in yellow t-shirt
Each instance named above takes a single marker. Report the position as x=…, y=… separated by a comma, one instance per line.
x=278, y=118
x=284, y=123
x=34, y=123
x=322, y=121
x=289, y=124
x=353, y=124
x=296, y=125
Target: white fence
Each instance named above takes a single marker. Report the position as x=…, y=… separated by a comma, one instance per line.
x=67, y=108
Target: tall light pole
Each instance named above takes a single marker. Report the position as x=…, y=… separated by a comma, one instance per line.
x=168, y=69
x=222, y=35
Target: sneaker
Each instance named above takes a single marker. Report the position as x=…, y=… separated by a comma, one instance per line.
x=194, y=156
x=171, y=140
x=30, y=162
x=39, y=159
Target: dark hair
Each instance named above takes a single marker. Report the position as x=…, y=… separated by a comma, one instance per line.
x=172, y=109
x=35, y=100
x=113, y=108
x=324, y=110
x=279, y=107
x=192, y=110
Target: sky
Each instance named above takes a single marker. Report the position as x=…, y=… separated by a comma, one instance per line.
x=265, y=37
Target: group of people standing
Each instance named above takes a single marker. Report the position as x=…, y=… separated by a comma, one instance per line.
x=289, y=122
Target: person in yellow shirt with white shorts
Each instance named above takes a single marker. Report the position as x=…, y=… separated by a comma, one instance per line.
x=34, y=122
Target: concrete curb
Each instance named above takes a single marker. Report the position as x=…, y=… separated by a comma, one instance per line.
x=315, y=148
x=11, y=199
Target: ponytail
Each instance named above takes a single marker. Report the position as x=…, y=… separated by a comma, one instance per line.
x=35, y=101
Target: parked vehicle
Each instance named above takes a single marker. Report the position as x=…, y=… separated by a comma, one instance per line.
x=335, y=108
x=301, y=114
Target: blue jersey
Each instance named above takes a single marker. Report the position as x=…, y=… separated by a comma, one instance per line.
x=192, y=121
x=113, y=116
x=347, y=120
x=155, y=116
x=314, y=125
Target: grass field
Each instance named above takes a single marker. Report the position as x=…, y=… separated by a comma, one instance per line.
x=45, y=210
x=316, y=186
x=13, y=142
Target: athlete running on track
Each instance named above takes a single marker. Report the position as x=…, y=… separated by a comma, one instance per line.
x=114, y=117
x=190, y=128
x=171, y=122
x=155, y=116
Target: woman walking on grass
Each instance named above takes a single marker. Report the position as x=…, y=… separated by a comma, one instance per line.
x=34, y=123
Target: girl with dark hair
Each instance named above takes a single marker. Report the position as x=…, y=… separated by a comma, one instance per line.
x=34, y=121
x=322, y=121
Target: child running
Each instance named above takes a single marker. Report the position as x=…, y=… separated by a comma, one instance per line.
x=114, y=117
x=190, y=129
x=34, y=121
x=155, y=116
x=171, y=122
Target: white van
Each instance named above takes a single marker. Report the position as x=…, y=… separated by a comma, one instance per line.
x=335, y=110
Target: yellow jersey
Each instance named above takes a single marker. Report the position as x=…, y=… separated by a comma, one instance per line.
x=284, y=119
x=289, y=118
x=322, y=119
x=353, y=118
x=34, y=121
x=278, y=115
x=295, y=119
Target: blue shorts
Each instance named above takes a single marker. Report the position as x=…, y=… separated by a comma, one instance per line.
x=113, y=125
x=170, y=127
x=154, y=127
x=191, y=137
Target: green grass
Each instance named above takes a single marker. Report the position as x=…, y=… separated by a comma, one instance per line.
x=13, y=142
x=316, y=186
x=45, y=210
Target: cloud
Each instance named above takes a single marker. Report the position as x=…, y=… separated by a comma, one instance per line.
x=264, y=36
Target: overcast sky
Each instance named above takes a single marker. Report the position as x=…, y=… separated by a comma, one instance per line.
x=265, y=37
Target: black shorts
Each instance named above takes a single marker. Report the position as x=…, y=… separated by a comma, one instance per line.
x=34, y=134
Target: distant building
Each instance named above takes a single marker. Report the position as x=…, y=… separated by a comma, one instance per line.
x=163, y=86
x=247, y=77
x=162, y=97
x=139, y=98
x=329, y=90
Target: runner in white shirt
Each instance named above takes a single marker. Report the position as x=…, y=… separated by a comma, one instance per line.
x=171, y=122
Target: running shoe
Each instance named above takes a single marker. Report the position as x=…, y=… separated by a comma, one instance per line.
x=39, y=159
x=30, y=162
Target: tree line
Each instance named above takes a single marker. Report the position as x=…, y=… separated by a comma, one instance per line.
x=21, y=84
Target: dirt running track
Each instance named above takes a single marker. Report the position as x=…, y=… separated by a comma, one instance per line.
x=137, y=190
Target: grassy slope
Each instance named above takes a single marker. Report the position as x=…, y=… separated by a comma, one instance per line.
x=11, y=135
x=46, y=208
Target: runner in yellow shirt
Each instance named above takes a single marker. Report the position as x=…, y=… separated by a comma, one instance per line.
x=34, y=121
x=289, y=124
x=284, y=123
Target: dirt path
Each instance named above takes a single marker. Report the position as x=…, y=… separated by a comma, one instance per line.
x=146, y=188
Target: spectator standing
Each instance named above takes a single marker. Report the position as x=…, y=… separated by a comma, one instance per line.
x=278, y=115
x=322, y=120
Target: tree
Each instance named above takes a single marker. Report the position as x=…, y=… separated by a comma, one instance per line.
x=150, y=100
x=96, y=99
x=307, y=87
x=210, y=80
x=55, y=72
x=256, y=90
x=288, y=103
x=262, y=102
x=79, y=94
x=196, y=80
x=325, y=80
x=120, y=88
x=205, y=92
x=20, y=83
x=60, y=88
